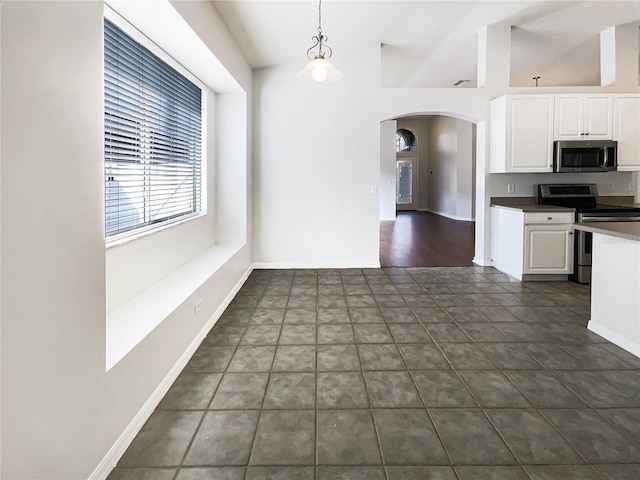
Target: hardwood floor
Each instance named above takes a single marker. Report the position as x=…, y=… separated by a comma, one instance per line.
x=424, y=239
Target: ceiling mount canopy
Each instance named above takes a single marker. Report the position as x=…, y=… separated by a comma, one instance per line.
x=319, y=69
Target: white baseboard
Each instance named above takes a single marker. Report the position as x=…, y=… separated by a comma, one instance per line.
x=442, y=214
x=314, y=265
x=110, y=460
x=615, y=338
x=482, y=262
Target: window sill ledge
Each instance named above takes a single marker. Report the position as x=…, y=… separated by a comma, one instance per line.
x=130, y=323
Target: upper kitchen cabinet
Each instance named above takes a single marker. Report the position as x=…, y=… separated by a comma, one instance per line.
x=626, y=130
x=522, y=133
x=583, y=117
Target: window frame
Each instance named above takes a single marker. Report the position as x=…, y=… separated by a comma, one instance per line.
x=135, y=233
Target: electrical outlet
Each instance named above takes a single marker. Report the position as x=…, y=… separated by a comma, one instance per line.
x=511, y=188
x=610, y=186
x=630, y=186
x=374, y=189
x=314, y=238
x=197, y=307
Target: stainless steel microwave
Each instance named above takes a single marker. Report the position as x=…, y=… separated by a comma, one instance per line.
x=585, y=156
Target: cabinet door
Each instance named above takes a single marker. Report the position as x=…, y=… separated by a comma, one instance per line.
x=569, y=117
x=548, y=249
x=598, y=117
x=530, y=130
x=626, y=123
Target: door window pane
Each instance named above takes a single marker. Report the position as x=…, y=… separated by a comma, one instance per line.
x=404, y=180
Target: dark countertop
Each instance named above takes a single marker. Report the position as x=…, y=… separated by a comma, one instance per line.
x=526, y=204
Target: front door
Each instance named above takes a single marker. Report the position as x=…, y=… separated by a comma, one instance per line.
x=406, y=183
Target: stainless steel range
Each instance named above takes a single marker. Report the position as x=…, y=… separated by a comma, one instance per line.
x=583, y=197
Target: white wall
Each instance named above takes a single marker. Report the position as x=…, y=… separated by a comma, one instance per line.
x=317, y=157
x=61, y=412
x=387, y=189
x=442, y=176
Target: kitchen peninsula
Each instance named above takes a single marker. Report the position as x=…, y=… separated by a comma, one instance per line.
x=615, y=282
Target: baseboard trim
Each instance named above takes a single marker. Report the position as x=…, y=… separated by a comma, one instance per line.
x=614, y=337
x=110, y=460
x=452, y=217
x=314, y=265
x=482, y=262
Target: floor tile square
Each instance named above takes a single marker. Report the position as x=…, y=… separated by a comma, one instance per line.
x=300, y=316
x=261, y=335
x=447, y=333
x=625, y=420
x=544, y=390
x=268, y=316
x=592, y=437
x=391, y=389
x=492, y=389
x=366, y=315
x=337, y=358
x=191, y=391
x=466, y=356
x=509, y=356
x=380, y=357
x=142, y=474
x=398, y=314
x=224, y=438
x=280, y=473
x=210, y=359
x=562, y=472
x=407, y=437
x=252, y=359
x=423, y=357
x=347, y=437
x=333, y=315
x=442, y=388
x=273, y=301
x=551, y=356
x=409, y=333
x=208, y=473
x=483, y=332
x=372, y=333
x=238, y=391
x=332, y=301
x=298, y=335
x=162, y=440
x=291, y=390
x=595, y=391
x=295, y=358
x=335, y=333
x=491, y=473
x=350, y=473
x=618, y=472
x=285, y=438
x=533, y=440
x=360, y=301
x=357, y=289
x=307, y=302
x=420, y=473
x=469, y=437
x=341, y=390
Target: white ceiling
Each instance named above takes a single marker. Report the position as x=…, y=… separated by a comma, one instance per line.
x=434, y=43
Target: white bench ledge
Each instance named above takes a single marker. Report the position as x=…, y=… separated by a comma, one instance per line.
x=130, y=323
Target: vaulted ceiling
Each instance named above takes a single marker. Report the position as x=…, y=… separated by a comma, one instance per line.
x=434, y=43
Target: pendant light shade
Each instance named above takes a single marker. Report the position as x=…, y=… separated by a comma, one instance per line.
x=319, y=69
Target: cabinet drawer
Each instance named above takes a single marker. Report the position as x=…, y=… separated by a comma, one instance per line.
x=548, y=217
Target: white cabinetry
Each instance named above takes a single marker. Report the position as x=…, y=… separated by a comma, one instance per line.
x=522, y=133
x=583, y=117
x=531, y=243
x=626, y=130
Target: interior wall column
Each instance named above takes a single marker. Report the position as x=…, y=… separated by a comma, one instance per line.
x=619, y=57
x=494, y=58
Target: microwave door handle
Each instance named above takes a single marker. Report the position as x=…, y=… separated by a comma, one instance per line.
x=605, y=157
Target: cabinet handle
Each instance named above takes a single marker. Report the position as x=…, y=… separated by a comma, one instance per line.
x=549, y=218
x=570, y=233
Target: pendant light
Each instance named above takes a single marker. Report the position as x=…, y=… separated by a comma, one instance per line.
x=319, y=69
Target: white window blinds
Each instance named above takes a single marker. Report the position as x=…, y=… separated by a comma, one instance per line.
x=153, y=138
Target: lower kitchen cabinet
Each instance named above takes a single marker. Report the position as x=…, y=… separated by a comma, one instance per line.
x=531, y=243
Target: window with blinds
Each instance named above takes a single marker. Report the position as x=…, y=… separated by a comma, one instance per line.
x=153, y=138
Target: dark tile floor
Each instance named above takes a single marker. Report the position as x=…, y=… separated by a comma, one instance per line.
x=416, y=373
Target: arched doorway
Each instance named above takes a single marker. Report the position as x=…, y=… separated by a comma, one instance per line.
x=434, y=226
